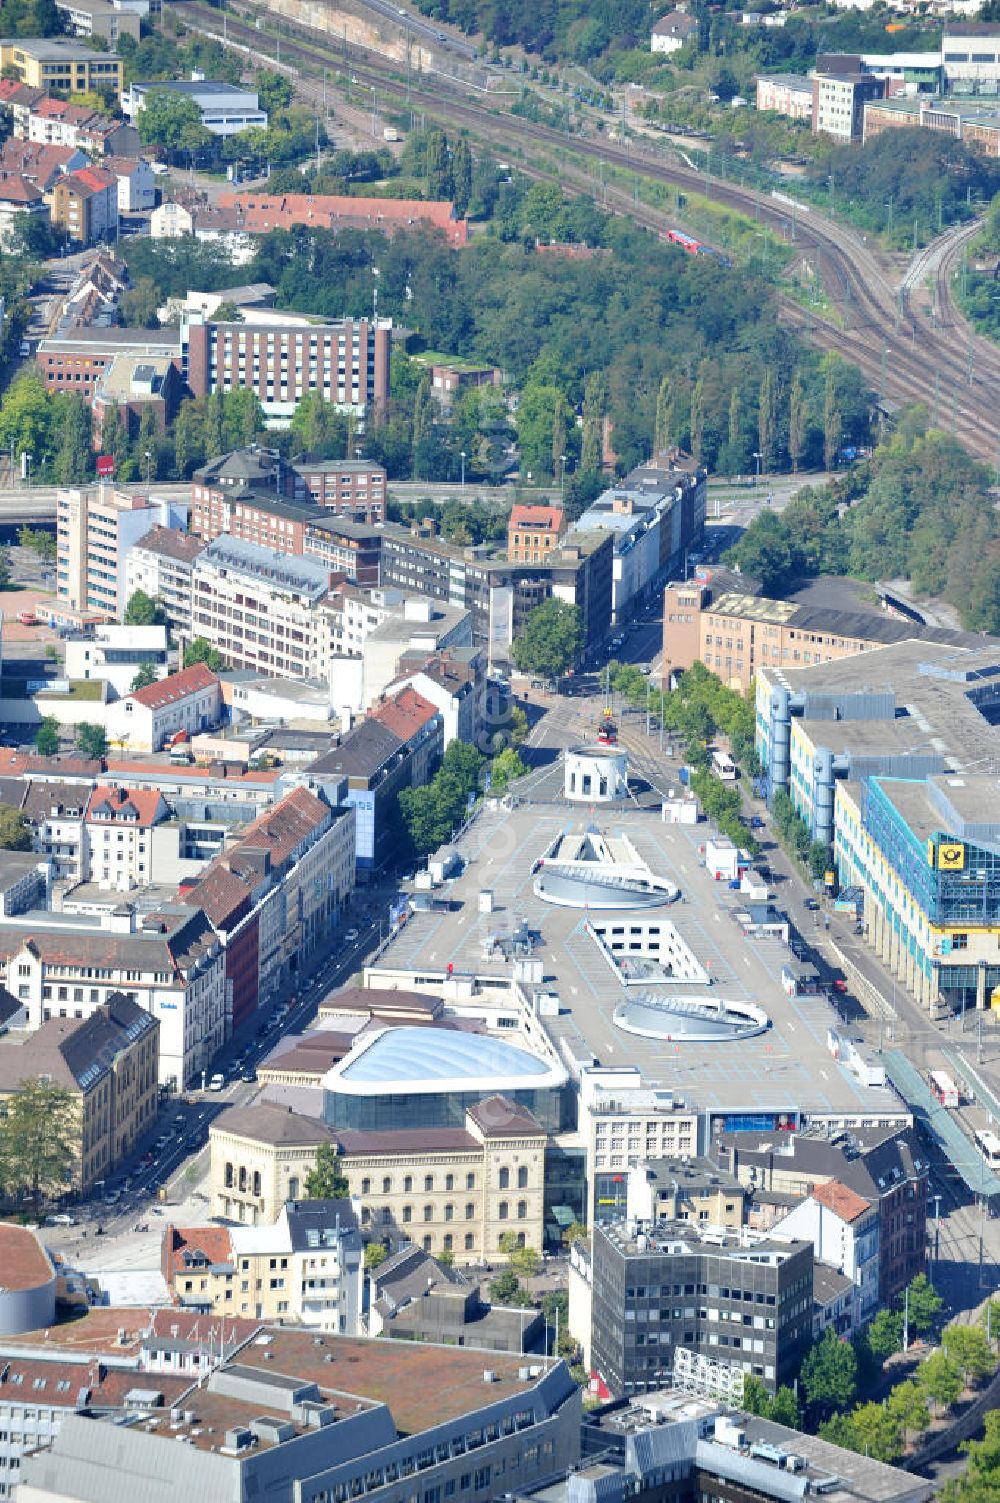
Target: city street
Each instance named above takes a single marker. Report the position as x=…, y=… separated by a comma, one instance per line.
x=180, y=1167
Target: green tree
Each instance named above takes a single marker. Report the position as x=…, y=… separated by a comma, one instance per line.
x=5, y=571
x=829, y=1374
x=139, y=304
x=27, y=414
x=550, y=641
x=14, y=832
x=326, y=1181
x=940, y=1379
x=924, y=1304
x=47, y=737
x=871, y=1429
x=274, y=90
x=784, y=1409
x=696, y=421
x=199, y=650
x=664, y=436
x=461, y=170
x=91, y=741
x=885, y=1334
x=798, y=421
x=538, y=417
x=504, y=769
x=833, y=422
x=969, y=1350
x=907, y=1404
x=819, y=859
x=74, y=457
x=595, y=396
x=38, y=541
x=40, y=1142
x=767, y=412
x=440, y=183
x=981, y=1480
x=506, y=1289
x=142, y=610
x=524, y=1260
x=375, y=1252
x=172, y=122
x=145, y=676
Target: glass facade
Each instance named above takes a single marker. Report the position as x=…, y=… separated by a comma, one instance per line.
x=393, y=1111
x=970, y=895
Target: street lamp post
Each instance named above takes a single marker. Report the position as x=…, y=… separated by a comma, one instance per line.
x=149, y=467
x=462, y=457
x=757, y=459
x=27, y=467
x=562, y=481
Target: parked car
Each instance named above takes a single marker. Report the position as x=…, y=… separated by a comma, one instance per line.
x=60, y=1219
x=217, y=1082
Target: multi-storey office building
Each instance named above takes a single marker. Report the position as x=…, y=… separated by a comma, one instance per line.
x=346, y=363
x=891, y=769
x=96, y=528
x=294, y=1416
x=60, y=65
x=501, y=595
x=736, y=1299
x=352, y=488
x=738, y=634
x=259, y=608
x=346, y=547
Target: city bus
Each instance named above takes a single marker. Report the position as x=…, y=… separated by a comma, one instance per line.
x=989, y=1147
x=943, y=1088
x=723, y=766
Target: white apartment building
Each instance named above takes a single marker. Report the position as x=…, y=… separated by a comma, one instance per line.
x=55, y=813
x=114, y=654
x=64, y=966
x=146, y=719
x=261, y=610
x=843, y=1228
x=160, y=564
x=319, y=1279
x=118, y=831
x=624, y=1123
x=970, y=52
x=96, y=528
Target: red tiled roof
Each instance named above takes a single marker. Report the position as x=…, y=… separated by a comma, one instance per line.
x=405, y=713
x=17, y=190
x=93, y=180
x=231, y=879
x=546, y=518
x=845, y=1203
x=178, y=686
x=213, y=1241
x=262, y=211
x=34, y=160
x=133, y=806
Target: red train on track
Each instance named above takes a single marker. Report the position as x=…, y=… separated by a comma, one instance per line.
x=696, y=247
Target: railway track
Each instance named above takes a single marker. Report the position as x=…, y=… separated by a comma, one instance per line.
x=904, y=354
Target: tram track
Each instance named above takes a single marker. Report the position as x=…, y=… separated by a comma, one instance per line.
x=903, y=353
